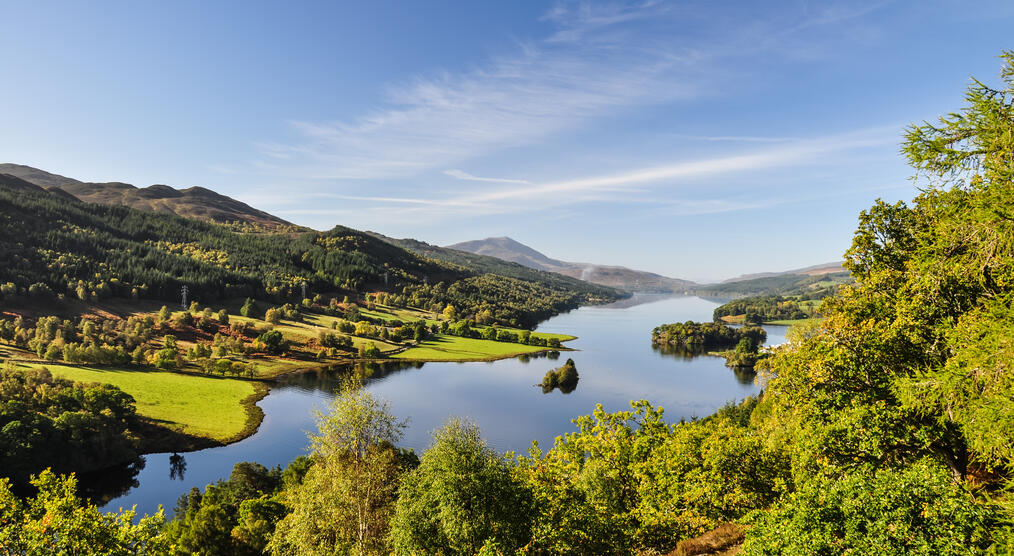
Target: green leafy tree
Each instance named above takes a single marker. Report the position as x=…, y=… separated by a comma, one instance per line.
x=271, y=341
x=248, y=309
x=231, y=517
x=346, y=499
x=461, y=498
x=57, y=521
x=273, y=316
x=163, y=315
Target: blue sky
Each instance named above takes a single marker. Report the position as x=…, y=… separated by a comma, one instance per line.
x=695, y=139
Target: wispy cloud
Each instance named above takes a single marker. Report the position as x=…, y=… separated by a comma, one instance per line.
x=600, y=60
x=462, y=175
x=794, y=154
x=546, y=86
x=656, y=185
x=577, y=19
x=736, y=138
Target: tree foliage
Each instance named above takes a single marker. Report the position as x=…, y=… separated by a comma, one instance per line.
x=65, y=425
x=460, y=499
x=696, y=337
x=346, y=500
x=57, y=521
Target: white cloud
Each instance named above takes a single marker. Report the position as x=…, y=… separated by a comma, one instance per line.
x=543, y=88
x=656, y=185
x=794, y=154
x=462, y=175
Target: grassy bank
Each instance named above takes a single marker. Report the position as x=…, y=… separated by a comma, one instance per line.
x=221, y=410
x=453, y=348
x=791, y=322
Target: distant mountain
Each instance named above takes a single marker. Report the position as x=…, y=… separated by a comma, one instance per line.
x=193, y=202
x=619, y=277
x=509, y=250
x=815, y=270
x=790, y=282
x=495, y=265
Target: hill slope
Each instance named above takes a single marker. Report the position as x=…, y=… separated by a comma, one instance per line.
x=52, y=246
x=618, y=277
x=815, y=270
x=786, y=283
x=193, y=202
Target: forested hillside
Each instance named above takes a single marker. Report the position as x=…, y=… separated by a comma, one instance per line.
x=55, y=247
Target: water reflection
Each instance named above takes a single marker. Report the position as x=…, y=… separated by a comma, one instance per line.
x=564, y=388
x=675, y=352
x=745, y=375
x=107, y=484
x=177, y=467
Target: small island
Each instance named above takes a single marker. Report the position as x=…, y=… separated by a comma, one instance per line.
x=695, y=338
x=741, y=345
x=565, y=378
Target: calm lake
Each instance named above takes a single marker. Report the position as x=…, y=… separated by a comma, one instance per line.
x=616, y=363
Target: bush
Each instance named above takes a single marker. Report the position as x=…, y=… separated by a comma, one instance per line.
x=273, y=316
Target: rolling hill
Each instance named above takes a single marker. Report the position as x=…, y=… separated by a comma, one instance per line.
x=618, y=277
x=192, y=202
x=54, y=247
x=790, y=282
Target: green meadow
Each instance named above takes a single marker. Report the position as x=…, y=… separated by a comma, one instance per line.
x=198, y=405
x=453, y=348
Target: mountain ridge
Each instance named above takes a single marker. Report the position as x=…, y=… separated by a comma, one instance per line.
x=192, y=202
x=620, y=277
x=813, y=270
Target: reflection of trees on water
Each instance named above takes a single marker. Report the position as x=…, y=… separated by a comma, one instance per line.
x=106, y=484
x=177, y=466
x=565, y=388
x=682, y=354
x=329, y=379
x=527, y=357
x=744, y=375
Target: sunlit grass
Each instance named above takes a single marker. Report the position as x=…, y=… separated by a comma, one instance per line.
x=198, y=405
x=454, y=348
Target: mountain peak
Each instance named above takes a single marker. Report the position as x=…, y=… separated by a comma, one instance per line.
x=508, y=249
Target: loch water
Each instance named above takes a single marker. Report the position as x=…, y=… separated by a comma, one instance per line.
x=613, y=354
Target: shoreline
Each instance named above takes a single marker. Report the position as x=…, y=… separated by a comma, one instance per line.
x=167, y=439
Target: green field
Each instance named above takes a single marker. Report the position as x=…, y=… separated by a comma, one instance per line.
x=796, y=321
x=453, y=348
x=197, y=405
